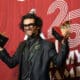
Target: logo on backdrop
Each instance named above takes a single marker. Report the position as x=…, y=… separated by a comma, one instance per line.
x=63, y=16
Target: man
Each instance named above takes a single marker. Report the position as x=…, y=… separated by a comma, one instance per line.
x=61, y=73
x=33, y=55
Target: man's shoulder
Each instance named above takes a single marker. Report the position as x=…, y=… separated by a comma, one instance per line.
x=46, y=43
x=22, y=43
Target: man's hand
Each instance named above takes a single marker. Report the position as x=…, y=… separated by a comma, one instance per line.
x=1, y=48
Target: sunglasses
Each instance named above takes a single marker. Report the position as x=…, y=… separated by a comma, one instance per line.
x=29, y=25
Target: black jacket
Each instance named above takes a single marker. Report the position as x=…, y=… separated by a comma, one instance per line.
x=39, y=70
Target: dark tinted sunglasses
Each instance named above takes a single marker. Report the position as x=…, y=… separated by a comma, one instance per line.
x=29, y=25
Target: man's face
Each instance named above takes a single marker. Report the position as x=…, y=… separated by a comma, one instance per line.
x=29, y=27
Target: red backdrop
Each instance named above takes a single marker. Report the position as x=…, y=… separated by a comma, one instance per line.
x=53, y=13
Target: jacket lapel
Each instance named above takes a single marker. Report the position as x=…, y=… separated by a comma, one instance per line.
x=37, y=51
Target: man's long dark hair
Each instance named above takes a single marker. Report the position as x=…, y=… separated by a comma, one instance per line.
x=38, y=21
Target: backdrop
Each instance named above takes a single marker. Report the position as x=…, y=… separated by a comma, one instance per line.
x=53, y=13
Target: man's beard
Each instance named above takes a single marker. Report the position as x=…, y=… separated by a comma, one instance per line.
x=33, y=35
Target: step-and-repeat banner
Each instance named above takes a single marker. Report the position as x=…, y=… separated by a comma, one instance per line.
x=53, y=13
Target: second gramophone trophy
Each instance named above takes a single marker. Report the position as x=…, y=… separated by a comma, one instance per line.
x=3, y=40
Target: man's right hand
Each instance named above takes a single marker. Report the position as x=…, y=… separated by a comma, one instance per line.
x=1, y=48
